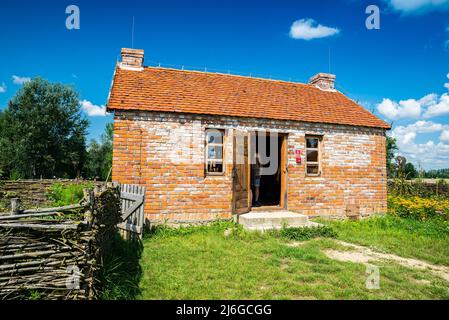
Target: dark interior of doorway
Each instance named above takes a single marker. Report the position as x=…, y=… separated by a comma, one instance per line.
x=270, y=185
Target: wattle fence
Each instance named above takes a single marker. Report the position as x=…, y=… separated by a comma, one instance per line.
x=56, y=253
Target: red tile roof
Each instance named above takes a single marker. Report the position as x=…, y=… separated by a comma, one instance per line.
x=170, y=90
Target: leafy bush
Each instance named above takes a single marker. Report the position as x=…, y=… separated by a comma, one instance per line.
x=301, y=234
x=64, y=194
x=418, y=208
x=15, y=175
x=402, y=187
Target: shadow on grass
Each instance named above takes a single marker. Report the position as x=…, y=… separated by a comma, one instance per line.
x=121, y=271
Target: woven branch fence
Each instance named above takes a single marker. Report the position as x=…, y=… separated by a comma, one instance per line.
x=56, y=253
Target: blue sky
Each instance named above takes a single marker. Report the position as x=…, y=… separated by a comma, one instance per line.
x=399, y=71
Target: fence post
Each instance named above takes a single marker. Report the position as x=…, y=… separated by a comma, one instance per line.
x=89, y=197
x=15, y=206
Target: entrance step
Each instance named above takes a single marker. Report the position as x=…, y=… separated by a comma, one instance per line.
x=271, y=220
x=267, y=208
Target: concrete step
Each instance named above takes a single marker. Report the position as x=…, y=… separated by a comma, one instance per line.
x=269, y=220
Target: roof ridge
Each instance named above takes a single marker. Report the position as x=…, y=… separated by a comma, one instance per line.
x=230, y=75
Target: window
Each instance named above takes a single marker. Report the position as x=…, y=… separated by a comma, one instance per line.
x=313, y=156
x=214, y=151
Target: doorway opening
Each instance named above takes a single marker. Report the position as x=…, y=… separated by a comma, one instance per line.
x=268, y=174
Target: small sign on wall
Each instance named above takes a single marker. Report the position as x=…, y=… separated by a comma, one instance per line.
x=298, y=156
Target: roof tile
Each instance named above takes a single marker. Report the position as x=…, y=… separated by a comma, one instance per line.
x=171, y=90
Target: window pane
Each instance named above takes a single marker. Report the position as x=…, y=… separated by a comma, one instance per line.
x=214, y=136
x=312, y=143
x=215, y=152
x=312, y=169
x=312, y=155
x=214, y=167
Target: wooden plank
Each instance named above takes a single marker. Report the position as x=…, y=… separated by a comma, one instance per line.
x=40, y=226
x=130, y=210
x=136, y=213
x=130, y=227
x=133, y=204
x=142, y=212
x=131, y=196
x=21, y=216
x=57, y=209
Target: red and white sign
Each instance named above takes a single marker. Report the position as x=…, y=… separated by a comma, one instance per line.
x=298, y=156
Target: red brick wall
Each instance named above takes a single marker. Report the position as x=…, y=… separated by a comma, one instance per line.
x=165, y=153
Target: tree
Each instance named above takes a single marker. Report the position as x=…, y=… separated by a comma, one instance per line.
x=437, y=174
x=42, y=132
x=391, y=149
x=99, y=155
x=410, y=171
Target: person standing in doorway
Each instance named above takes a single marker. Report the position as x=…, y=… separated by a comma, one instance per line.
x=255, y=177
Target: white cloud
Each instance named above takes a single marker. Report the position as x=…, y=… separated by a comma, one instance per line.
x=429, y=106
x=3, y=88
x=92, y=109
x=429, y=154
x=308, y=29
x=20, y=80
x=444, y=137
x=438, y=107
x=418, y=6
x=402, y=110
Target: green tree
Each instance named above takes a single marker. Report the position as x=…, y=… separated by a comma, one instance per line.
x=438, y=173
x=410, y=171
x=391, y=149
x=99, y=155
x=42, y=132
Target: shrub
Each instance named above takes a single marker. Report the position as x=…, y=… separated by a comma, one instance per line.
x=15, y=175
x=418, y=208
x=64, y=194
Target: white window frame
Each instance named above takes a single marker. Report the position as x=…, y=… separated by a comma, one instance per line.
x=206, y=152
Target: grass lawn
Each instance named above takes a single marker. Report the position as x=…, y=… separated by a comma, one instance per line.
x=203, y=263
x=428, y=240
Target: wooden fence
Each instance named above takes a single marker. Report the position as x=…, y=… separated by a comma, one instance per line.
x=34, y=193
x=133, y=216
x=55, y=253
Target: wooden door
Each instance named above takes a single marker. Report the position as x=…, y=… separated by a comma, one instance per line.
x=241, y=202
x=283, y=166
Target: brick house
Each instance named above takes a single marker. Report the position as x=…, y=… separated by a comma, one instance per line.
x=190, y=138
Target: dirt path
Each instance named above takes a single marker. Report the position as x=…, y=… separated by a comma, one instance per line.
x=361, y=254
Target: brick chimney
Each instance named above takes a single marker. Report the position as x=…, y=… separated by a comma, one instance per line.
x=132, y=59
x=324, y=81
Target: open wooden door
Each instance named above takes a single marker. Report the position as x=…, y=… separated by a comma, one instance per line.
x=283, y=167
x=241, y=189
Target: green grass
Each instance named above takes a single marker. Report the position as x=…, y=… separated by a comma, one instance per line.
x=60, y=194
x=203, y=263
x=425, y=240
x=119, y=278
